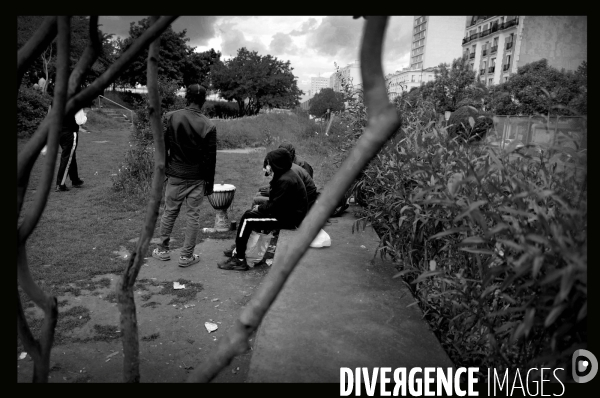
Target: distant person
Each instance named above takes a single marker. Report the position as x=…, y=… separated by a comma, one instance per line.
x=191, y=146
x=286, y=208
x=69, y=140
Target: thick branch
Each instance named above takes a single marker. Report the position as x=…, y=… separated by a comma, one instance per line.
x=129, y=329
x=56, y=119
x=88, y=58
x=382, y=123
x=35, y=46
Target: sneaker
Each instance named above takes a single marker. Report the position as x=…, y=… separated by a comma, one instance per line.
x=187, y=261
x=234, y=264
x=61, y=188
x=77, y=184
x=229, y=252
x=161, y=254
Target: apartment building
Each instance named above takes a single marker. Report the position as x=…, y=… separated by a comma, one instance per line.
x=436, y=39
x=350, y=72
x=317, y=84
x=498, y=45
x=406, y=79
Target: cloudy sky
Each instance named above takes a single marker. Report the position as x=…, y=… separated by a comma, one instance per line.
x=311, y=43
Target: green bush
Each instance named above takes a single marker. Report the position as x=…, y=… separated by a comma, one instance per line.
x=32, y=108
x=493, y=243
x=221, y=109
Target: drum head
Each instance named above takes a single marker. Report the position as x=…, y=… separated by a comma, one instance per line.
x=223, y=187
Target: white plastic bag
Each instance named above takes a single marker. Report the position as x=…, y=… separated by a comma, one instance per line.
x=80, y=117
x=257, y=247
x=321, y=240
x=44, y=150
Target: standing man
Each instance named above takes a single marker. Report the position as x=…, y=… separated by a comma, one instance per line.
x=191, y=147
x=69, y=138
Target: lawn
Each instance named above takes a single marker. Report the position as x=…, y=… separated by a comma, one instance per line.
x=82, y=231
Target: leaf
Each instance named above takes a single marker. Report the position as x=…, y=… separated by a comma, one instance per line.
x=471, y=121
x=425, y=275
x=554, y=314
x=582, y=312
x=477, y=251
x=472, y=207
x=403, y=272
x=472, y=239
x=448, y=232
x=432, y=265
x=538, y=261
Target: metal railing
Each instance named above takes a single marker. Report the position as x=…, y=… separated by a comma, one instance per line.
x=482, y=71
x=494, y=49
x=472, y=55
x=505, y=67
x=484, y=52
x=109, y=100
x=509, y=45
x=491, y=69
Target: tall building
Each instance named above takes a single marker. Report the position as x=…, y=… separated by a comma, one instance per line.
x=406, y=79
x=317, y=84
x=436, y=39
x=498, y=45
x=350, y=73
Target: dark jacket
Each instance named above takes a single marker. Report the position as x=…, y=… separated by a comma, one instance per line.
x=296, y=159
x=287, y=196
x=191, y=145
x=309, y=184
x=69, y=125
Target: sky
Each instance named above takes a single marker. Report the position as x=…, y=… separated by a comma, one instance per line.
x=312, y=44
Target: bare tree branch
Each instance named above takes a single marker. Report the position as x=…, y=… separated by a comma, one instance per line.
x=41, y=351
x=131, y=373
x=383, y=121
x=35, y=46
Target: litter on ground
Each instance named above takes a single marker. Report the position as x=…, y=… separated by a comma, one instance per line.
x=211, y=327
x=178, y=286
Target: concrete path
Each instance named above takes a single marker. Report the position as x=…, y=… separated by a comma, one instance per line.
x=340, y=309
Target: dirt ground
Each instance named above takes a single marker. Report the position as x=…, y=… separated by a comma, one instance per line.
x=173, y=336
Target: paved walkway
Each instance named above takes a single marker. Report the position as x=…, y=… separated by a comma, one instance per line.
x=339, y=309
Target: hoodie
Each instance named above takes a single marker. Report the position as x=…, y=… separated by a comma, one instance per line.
x=288, y=201
x=296, y=159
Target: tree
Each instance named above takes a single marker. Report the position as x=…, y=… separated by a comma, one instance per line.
x=452, y=85
x=255, y=81
x=538, y=88
x=179, y=62
x=326, y=99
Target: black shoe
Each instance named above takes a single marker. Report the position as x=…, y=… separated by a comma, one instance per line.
x=61, y=188
x=77, y=184
x=234, y=264
x=229, y=252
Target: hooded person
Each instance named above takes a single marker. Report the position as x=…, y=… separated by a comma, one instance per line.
x=286, y=207
x=296, y=159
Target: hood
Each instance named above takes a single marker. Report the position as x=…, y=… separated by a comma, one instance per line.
x=290, y=149
x=280, y=161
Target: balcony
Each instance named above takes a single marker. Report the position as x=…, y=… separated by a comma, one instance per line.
x=511, y=23
x=484, y=52
x=494, y=49
x=491, y=69
x=485, y=33
x=505, y=67
x=472, y=55
x=509, y=45
x=482, y=71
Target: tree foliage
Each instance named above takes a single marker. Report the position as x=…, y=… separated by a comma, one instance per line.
x=178, y=61
x=255, y=81
x=326, y=99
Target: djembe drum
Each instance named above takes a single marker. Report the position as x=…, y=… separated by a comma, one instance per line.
x=220, y=200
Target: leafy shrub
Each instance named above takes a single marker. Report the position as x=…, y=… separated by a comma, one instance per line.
x=493, y=243
x=469, y=123
x=221, y=109
x=32, y=108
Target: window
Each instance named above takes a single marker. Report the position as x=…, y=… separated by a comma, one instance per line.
x=493, y=62
x=505, y=79
x=412, y=78
x=473, y=66
x=490, y=81
x=484, y=64
x=495, y=41
x=508, y=59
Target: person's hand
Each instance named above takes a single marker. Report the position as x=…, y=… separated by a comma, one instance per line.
x=264, y=191
x=208, y=189
x=255, y=208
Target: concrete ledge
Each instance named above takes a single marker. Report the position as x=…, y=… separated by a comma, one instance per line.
x=341, y=308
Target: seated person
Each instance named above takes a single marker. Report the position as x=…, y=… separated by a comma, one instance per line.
x=309, y=184
x=263, y=192
x=286, y=207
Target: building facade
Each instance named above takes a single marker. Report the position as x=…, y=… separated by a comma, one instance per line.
x=406, y=79
x=317, y=84
x=498, y=45
x=350, y=73
x=436, y=39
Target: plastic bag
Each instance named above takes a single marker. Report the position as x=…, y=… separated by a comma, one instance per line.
x=44, y=150
x=80, y=117
x=321, y=240
x=257, y=247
